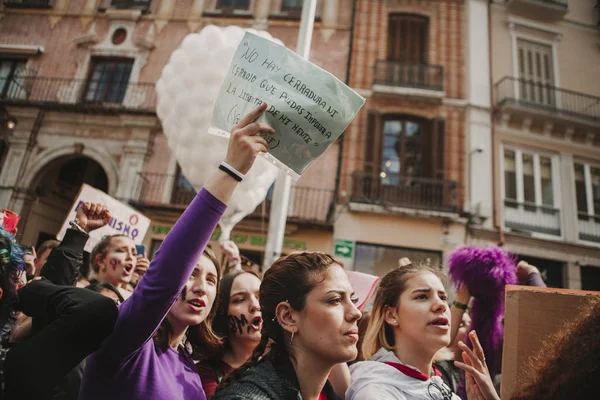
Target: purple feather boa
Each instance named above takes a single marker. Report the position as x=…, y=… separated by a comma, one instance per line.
x=486, y=272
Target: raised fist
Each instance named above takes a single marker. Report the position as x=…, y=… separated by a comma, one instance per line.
x=92, y=216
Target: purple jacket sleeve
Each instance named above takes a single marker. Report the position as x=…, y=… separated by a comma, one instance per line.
x=141, y=314
x=534, y=279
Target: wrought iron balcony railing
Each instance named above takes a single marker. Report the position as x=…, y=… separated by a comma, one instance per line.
x=419, y=76
x=307, y=204
x=544, y=97
x=393, y=190
x=78, y=94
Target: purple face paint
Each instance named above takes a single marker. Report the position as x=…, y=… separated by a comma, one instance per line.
x=114, y=263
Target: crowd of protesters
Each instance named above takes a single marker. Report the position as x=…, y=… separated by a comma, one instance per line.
x=175, y=328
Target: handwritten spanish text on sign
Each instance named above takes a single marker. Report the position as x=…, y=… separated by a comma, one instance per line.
x=308, y=107
x=126, y=221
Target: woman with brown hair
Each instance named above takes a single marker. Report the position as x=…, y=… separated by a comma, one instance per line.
x=238, y=321
x=309, y=315
x=176, y=293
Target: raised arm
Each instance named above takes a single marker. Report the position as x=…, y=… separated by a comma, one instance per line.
x=62, y=267
x=141, y=314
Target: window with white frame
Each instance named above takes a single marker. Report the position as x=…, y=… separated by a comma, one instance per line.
x=530, y=191
x=587, y=190
x=536, y=72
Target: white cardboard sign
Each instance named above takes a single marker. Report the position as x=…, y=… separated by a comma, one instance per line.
x=126, y=220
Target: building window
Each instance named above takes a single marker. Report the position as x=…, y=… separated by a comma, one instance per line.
x=12, y=78
x=536, y=72
x=404, y=165
x=587, y=189
x=108, y=80
x=292, y=7
x=3, y=152
x=530, y=192
x=27, y=3
x=230, y=6
x=407, y=38
x=528, y=178
x=141, y=4
x=183, y=191
x=379, y=260
x=409, y=147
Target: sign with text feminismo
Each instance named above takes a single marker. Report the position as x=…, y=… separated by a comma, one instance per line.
x=125, y=220
x=309, y=108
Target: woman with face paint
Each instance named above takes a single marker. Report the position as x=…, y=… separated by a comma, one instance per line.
x=310, y=316
x=238, y=321
x=146, y=356
x=113, y=260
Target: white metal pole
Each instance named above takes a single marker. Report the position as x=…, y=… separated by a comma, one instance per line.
x=281, y=192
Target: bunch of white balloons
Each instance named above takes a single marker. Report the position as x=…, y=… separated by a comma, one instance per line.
x=186, y=92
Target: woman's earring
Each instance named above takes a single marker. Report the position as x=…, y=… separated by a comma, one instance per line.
x=292, y=338
x=394, y=322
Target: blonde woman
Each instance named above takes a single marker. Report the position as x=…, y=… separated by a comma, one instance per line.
x=410, y=323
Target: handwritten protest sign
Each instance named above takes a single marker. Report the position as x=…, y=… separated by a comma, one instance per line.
x=125, y=221
x=308, y=107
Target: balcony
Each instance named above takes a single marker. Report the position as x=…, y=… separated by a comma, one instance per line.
x=530, y=217
x=78, y=95
x=540, y=9
x=555, y=103
x=589, y=227
x=307, y=205
x=409, y=79
x=27, y=3
x=398, y=191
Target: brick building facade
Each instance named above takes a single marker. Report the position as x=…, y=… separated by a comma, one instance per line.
x=403, y=166
x=78, y=106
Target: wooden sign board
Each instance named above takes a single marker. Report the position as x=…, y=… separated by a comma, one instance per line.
x=532, y=315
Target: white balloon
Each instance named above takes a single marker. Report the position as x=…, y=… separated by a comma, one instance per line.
x=186, y=93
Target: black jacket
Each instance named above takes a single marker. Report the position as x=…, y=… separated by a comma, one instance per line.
x=273, y=378
x=76, y=322
x=64, y=262
x=69, y=323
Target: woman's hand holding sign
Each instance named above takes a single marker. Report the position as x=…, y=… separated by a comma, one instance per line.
x=245, y=143
x=244, y=146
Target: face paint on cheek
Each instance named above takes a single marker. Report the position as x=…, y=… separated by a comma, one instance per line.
x=114, y=263
x=184, y=293
x=237, y=324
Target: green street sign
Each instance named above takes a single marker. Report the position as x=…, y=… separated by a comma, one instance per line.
x=344, y=248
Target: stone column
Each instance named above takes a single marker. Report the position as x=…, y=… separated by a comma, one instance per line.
x=568, y=199
x=572, y=275
x=132, y=163
x=262, y=9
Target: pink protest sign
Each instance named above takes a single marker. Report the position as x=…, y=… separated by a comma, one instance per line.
x=363, y=285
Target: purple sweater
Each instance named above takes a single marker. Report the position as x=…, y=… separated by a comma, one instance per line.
x=129, y=365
